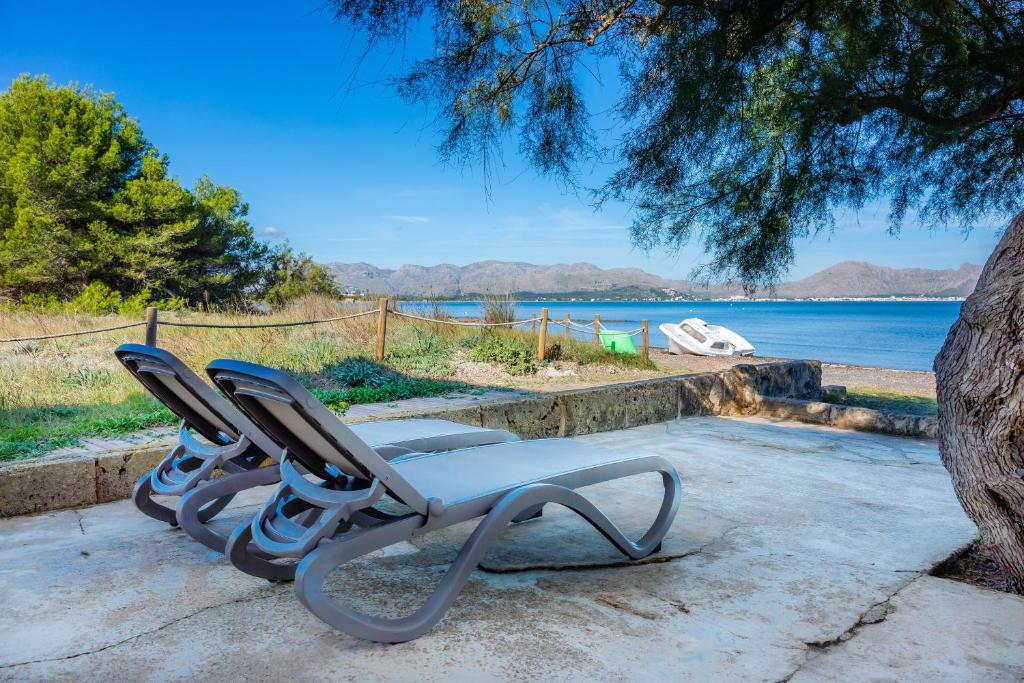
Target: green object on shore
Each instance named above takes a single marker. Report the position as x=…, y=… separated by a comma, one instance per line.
x=619, y=342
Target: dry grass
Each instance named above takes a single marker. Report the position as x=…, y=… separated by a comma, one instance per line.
x=499, y=309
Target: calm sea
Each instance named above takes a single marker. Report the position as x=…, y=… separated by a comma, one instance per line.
x=889, y=334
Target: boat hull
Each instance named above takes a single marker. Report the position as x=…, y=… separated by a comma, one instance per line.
x=696, y=337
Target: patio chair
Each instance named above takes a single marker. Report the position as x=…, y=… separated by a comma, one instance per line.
x=238, y=452
x=502, y=483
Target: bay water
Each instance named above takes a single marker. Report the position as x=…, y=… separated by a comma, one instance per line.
x=890, y=334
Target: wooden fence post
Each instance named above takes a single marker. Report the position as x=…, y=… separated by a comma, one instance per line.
x=382, y=327
x=646, y=340
x=542, y=338
x=533, y=324
x=568, y=327
x=597, y=329
x=151, y=324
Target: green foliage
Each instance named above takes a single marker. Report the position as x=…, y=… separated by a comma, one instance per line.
x=395, y=390
x=362, y=372
x=97, y=299
x=744, y=125
x=90, y=213
x=292, y=275
x=422, y=351
x=510, y=351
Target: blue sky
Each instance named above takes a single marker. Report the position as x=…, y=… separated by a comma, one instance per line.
x=261, y=97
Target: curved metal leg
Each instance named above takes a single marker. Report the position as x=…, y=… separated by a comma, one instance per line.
x=315, y=567
x=251, y=560
x=215, y=495
x=142, y=496
x=531, y=513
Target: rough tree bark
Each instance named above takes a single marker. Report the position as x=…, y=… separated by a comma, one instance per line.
x=980, y=382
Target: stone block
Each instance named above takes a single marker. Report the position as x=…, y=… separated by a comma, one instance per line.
x=833, y=393
x=50, y=484
x=863, y=419
x=700, y=394
x=116, y=473
x=594, y=410
x=652, y=401
x=739, y=393
x=531, y=418
x=814, y=412
x=786, y=379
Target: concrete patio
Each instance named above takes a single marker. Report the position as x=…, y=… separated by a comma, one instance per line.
x=800, y=553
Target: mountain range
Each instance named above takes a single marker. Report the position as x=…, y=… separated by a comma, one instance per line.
x=848, y=279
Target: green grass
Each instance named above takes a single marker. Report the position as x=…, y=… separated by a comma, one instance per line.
x=34, y=431
x=510, y=351
x=892, y=402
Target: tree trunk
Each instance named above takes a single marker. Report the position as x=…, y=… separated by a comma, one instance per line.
x=979, y=375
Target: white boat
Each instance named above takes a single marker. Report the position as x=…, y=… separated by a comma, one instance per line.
x=693, y=335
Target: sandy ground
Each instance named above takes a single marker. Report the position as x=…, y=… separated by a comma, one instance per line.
x=562, y=375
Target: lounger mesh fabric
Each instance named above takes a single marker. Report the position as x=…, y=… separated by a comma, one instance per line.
x=501, y=483
x=243, y=454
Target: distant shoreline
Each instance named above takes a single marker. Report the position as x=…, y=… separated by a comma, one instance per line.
x=837, y=299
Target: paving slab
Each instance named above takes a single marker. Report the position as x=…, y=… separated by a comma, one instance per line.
x=799, y=553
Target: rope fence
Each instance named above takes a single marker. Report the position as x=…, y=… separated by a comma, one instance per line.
x=79, y=333
x=383, y=310
x=296, y=323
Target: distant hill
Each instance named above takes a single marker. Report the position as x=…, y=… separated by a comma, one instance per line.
x=585, y=280
x=856, y=278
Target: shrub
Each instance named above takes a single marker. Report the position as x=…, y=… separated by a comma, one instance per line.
x=499, y=310
x=362, y=372
x=510, y=351
x=423, y=352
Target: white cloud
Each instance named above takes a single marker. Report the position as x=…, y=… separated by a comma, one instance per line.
x=405, y=219
x=272, y=232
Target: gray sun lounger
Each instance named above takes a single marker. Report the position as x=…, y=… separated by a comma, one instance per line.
x=238, y=452
x=502, y=483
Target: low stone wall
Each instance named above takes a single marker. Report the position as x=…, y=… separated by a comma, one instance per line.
x=850, y=417
x=52, y=483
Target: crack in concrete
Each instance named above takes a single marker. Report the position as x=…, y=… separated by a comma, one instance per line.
x=875, y=614
x=136, y=636
x=81, y=525
x=627, y=607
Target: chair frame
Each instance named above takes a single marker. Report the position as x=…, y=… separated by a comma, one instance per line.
x=346, y=525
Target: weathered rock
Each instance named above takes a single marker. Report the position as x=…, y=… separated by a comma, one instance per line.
x=116, y=473
x=849, y=417
x=593, y=410
x=833, y=393
x=531, y=418
x=651, y=401
x=739, y=395
x=700, y=394
x=788, y=379
x=47, y=484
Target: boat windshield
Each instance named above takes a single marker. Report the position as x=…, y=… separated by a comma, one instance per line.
x=693, y=333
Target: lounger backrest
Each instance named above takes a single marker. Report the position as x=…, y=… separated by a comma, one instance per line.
x=174, y=384
x=312, y=434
